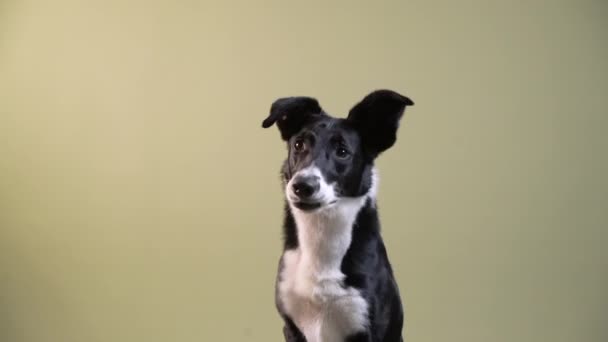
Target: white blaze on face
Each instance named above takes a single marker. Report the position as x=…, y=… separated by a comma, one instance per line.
x=326, y=193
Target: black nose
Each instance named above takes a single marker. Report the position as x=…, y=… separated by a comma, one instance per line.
x=305, y=187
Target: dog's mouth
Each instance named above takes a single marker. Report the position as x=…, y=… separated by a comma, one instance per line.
x=311, y=206
x=307, y=206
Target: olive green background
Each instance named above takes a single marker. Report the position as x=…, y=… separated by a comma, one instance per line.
x=140, y=198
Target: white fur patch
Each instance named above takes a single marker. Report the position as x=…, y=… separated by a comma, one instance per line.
x=311, y=285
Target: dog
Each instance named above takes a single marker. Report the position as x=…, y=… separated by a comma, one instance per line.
x=335, y=281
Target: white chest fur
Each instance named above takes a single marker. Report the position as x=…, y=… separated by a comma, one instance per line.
x=311, y=288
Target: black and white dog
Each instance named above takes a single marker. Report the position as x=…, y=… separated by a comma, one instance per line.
x=335, y=282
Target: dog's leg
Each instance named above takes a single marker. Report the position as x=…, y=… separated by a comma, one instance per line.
x=291, y=332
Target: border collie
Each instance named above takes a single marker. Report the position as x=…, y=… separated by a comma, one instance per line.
x=335, y=282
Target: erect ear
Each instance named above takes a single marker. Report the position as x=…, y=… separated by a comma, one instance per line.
x=377, y=117
x=291, y=113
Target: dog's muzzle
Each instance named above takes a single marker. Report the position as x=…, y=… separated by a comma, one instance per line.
x=305, y=187
x=304, y=192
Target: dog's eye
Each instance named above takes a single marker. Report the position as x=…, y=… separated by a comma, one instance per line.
x=298, y=146
x=342, y=152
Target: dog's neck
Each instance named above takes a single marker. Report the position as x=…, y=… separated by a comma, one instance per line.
x=324, y=236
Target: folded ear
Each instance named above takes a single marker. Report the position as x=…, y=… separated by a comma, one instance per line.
x=377, y=117
x=291, y=113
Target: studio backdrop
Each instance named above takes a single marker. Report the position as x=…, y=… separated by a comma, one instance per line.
x=140, y=199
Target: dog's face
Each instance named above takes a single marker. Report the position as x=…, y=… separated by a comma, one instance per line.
x=325, y=163
x=331, y=159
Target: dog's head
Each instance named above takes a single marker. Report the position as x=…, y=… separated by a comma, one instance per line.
x=331, y=159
